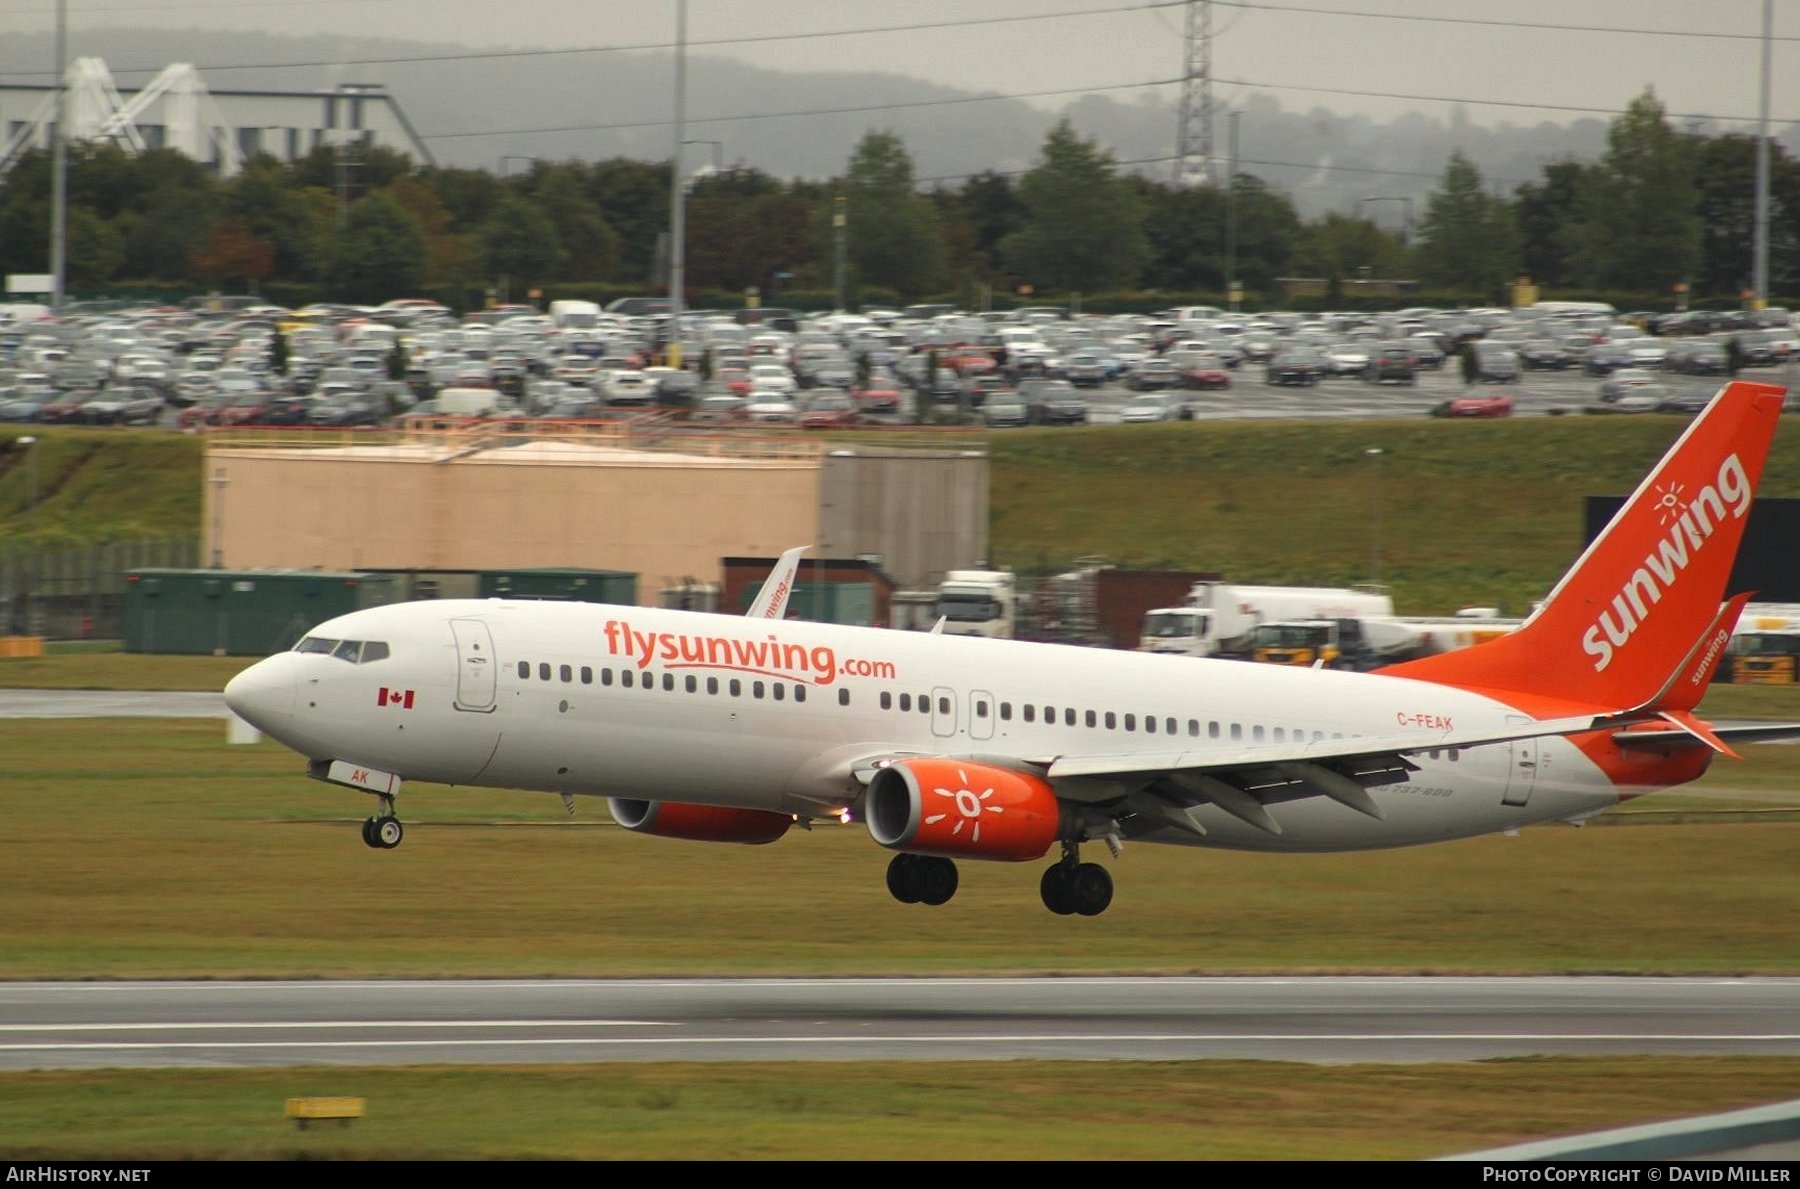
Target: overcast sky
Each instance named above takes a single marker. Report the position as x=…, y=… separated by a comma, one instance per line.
x=1517, y=61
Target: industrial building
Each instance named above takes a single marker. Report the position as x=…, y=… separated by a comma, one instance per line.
x=220, y=128
x=669, y=506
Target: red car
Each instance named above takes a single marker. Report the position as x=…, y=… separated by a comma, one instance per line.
x=830, y=412
x=877, y=398
x=1495, y=405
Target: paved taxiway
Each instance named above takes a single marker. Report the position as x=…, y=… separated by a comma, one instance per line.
x=1319, y=1020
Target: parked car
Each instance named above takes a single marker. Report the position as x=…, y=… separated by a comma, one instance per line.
x=1156, y=406
x=771, y=407
x=829, y=409
x=122, y=404
x=1495, y=363
x=1006, y=410
x=1201, y=369
x=1153, y=375
x=1546, y=355
x=1053, y=402
x=1698, y=357
x=1296, y=365
x=1497, y=404
x=1392, y=362
x=1624, y=380
x=878, y=397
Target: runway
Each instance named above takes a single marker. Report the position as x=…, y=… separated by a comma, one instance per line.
x=1314, y=1020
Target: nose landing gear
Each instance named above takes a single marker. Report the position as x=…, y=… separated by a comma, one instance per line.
x=383, y=831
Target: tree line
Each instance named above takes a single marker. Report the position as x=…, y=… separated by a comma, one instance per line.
x=1660, y=212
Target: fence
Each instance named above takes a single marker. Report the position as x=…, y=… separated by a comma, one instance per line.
x=79, y=594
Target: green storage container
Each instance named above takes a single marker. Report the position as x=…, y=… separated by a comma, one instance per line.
x=239, y=612
x=579, y=586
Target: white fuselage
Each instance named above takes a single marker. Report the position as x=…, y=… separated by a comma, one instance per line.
x=776, y=715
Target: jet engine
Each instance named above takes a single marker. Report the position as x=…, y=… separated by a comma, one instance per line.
x=699, y=823
x=962, y=810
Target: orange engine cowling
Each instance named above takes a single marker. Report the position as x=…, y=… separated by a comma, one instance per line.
x=699, y=823
x=962, y=810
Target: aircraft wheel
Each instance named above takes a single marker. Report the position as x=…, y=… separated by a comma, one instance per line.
x=1055, y=888
x=1091, y=889
x=936, y=879
x=368, y=833
x=902, y=878
x=388, y=832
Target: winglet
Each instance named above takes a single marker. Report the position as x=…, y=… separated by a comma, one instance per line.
x=772, y=600
x=1628, y=614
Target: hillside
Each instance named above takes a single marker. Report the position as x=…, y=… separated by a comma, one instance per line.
x=1483, y=512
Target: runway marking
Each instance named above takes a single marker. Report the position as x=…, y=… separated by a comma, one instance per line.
x=190, y=1026
x=1054, y=1039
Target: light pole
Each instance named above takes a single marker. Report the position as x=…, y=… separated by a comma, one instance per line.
x=1373, y=453
x=30, y=443
x=837, y=244
x=219, y=483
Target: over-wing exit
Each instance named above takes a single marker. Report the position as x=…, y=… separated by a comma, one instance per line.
x=944, y=748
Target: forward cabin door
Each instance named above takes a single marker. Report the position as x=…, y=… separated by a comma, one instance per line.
x=476, y=669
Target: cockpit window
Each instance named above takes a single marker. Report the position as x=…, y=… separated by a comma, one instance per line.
x=357, y=652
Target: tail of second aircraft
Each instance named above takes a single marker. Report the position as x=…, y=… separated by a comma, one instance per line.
x=1639, y=605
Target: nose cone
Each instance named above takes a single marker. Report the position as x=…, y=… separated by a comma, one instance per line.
x=263, y=694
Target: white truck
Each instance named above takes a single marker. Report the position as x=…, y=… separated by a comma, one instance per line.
x=978, y=603
x=1218, y=618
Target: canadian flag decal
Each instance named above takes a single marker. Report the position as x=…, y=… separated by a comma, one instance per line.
x=394, y=697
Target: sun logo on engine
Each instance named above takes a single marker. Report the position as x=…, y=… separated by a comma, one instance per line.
x=1669, y=505
x=969, y=804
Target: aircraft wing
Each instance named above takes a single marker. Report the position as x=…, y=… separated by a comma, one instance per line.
x=1315, y=751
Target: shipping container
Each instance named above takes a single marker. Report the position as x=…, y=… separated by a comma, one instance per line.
x=239, y=612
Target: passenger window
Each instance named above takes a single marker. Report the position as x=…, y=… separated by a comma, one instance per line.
x=374, y=650
x=1131, y=722
x=1006, y=712
x=906, y=701
x=887, y=699
x=1168, y=726
x=1030, y=712
x=777, y=691
x=1111, y=720
x=981, y=709
x=1092, y=719
x=669, y=682
x=1150, y=724
x=1237, y=732
x=587, y=675
x=799, y=693
x=737, y=688
x=606, y=677
x=712, y=685
x=1212, y=730
x=1193, y=728
x=843, y=697
x=525, y=669
x=693, y=683
x=1280, y=735
x=1256, y=733
x=543, y=671
x=924, y=703
x=567, y=674
x=943, y=705
x=625, y=678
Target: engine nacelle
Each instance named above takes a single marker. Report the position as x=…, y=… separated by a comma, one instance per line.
x=962, y=810
x=699, y=823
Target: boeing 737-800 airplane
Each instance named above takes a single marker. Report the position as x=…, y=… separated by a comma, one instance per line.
x=734, y=729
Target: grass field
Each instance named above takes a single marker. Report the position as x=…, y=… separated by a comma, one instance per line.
x=151, y=848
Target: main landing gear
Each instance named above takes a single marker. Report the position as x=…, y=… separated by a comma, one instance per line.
x=1069, y=887
x=383, y=831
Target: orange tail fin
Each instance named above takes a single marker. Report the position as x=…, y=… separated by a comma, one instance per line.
x=1628, y=614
